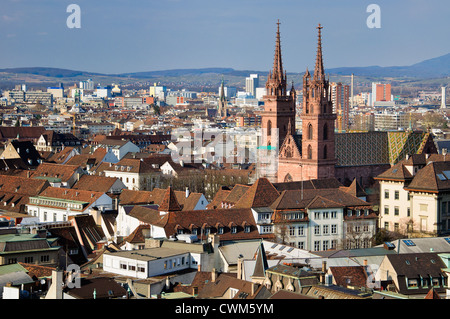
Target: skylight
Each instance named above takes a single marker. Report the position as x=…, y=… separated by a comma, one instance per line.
x=447, y=174
x=441, y=177
x=447, y=239
x=409, y=242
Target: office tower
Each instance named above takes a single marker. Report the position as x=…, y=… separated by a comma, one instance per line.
x=380, y=93
x=251, y=83
x=340, y=95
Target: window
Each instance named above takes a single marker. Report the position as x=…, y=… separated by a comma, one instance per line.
x=333, y=244
x=316, y=245
x=408, y=212
x=310, y=132
x=45, y=258
x=132, y=268
x=317, y=230
x=325, y=215
x=334, y=229
x=247, y=229
x=325, y=244
x=386, y=225
x=301, y=245
x=386, y=210
x=29, y=260
x=396, y=210
x=123, y=266
x=325, y=229
x=291, y=231
x=309, y=152
x=412, y=283
x=220, y=231
x=386, y=194
x=266, y=229
x=396, y=195
x=300, y=230
x=12, y=260
x=316, y=215
x=233, y=229
x=333, y=214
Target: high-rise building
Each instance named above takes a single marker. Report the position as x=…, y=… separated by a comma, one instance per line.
x=340, y=95
x=380, y=93
x=443, y=98
x=87, y=85
x=251, y=83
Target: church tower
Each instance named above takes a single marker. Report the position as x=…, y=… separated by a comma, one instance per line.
x=279, y=106
x=318, y=121
x=222, y=104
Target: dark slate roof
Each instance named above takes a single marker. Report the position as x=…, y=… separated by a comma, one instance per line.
x=414, y=265
x=433, y=177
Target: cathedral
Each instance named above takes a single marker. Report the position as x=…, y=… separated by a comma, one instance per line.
x=320, y=152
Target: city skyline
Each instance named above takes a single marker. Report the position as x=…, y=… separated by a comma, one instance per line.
x=118, y=38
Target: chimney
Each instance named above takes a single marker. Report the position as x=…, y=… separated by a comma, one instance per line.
x=324, y=271
x=254, y=288
x=194, y=291
x=214, y=275
x=239, y=267
x=365, y=262
x=187, y=192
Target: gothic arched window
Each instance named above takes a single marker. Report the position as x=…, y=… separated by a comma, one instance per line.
x=310, y=132
x=325, y=152
x=269, y=128
x=325, y=132
x=309, y=153
x=288, y=178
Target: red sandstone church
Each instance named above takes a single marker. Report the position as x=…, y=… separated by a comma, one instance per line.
x=319, y=152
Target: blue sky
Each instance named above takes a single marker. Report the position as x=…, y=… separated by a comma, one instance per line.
x=118, y=36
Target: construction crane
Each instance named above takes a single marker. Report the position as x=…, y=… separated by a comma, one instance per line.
x=73, y=121
x=339, y=120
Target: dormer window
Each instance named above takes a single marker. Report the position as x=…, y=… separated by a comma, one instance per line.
x=247, y=229
x=233, y=229
x=220, y=230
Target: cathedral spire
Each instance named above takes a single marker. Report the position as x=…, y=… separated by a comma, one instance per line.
x=319, y=73
x=277, y=63
x=276, y=81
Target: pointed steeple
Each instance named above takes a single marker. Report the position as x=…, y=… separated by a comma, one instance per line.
x=222, y=101
x=289, y=129
x=319, y=73
x=277, y=62
x=276, y=80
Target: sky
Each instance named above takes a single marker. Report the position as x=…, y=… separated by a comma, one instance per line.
x=119, y=36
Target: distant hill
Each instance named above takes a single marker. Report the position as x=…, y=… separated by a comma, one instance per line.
x=435, y=68
x=176, y=72
x=431, y=68
x=49, y=72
